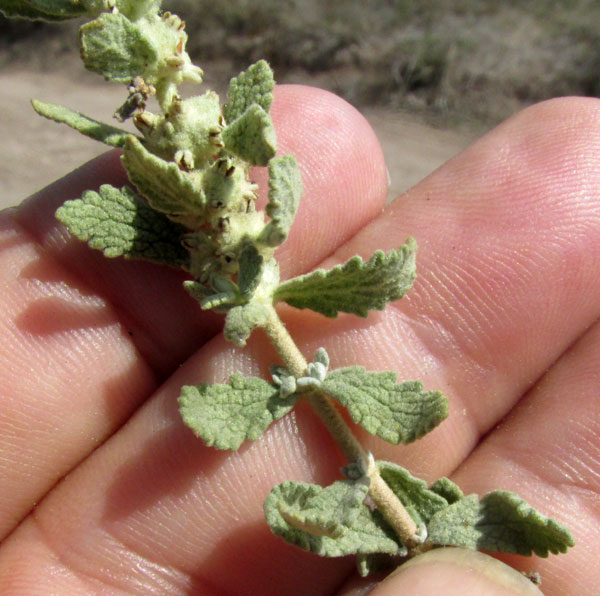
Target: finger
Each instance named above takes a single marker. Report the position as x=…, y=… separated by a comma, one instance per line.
x=509, y=241
x=191, y=511
x=548, y=451
x=88, y=339
x=455, y=572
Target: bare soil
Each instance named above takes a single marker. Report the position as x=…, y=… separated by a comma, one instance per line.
x=35, y=151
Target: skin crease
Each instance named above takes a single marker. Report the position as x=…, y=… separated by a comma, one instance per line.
x=112, y=495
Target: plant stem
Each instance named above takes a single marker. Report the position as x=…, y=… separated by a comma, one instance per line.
x=382, y=496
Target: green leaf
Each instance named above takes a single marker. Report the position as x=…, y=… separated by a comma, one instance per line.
x=136, y=9
x=251, y=267
x=251, y=136
x=242, y=320
x=224, y=416
x=356, y=529
x=420, y=502
x=45, y=10
x=501, y=521
x=119, y=223
x=285, y=190
x=116, y=48
x=168, y=189
x=354, y=287
x=253, y=86
x=328, y=511
x=115, y=137
x=396, y=412
x=447, y=489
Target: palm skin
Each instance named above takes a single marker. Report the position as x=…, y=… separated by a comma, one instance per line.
x=106, y=492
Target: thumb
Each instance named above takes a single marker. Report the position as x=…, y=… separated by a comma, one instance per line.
x=456, y=572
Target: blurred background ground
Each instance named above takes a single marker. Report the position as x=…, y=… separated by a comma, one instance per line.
x=430, y=76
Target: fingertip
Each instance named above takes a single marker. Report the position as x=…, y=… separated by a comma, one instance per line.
x=456, y=572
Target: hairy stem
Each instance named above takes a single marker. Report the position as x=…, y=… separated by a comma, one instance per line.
x=382, y=496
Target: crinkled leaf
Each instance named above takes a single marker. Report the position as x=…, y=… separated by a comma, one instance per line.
x=501, y=521
x=328, y=511
x=354, y=287
x=396, y=412
x=116, y=48
x=119, y=223
x=167, y=188
x=366, y=533
x=251, y=266
x=115, y=137
x=420, y=502
x=45, y=10
x=251, y=136
x=285, y=190
x=253, y=86
x=447, y=489
x=242, y=320
x=224, y=416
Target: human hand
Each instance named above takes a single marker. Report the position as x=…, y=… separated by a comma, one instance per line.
x=502, y=319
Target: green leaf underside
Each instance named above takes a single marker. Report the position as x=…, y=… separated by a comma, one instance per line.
x=285, y=190
x=114, y=47
x=420, y=502
x=110, y=135
x=354, y=287
x=395, y=412
x=447, y=489
x=364, y=532
x=119, y=223
x=166, y=187
x=252, y=136
x=46, y=10
x=501, y=521
x=253, y=86
x=224, y=416
x=242, y=320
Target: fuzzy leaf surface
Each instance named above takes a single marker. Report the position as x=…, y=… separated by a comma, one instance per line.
x=364, y=532
x=253, y=86
x=110, y=135
x=396, y=412
x=354, y=287
x=251, y=136
x=329, y=511
x=167, y=188
x=502, y=522
x=447, y=489
x=44, y=10
x=420, y=502
x=242, y=320
x=224, y=416
x=119, y=223
x=285, y=190
x=114, y=47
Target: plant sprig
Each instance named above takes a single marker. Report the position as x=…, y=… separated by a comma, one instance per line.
x=191, y=205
